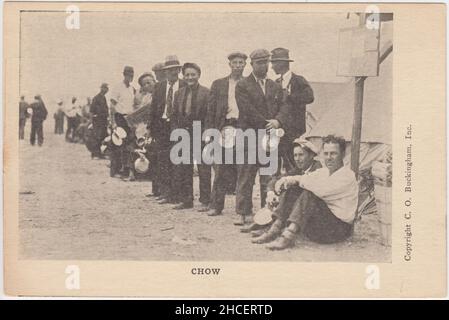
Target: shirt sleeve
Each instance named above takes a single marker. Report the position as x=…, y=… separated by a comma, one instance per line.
x=318, y=183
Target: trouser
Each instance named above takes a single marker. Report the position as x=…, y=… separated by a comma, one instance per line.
x=225, y=181
x=314, y=218
x=204, y=173
x=60, y=129
x=71, y=129
x=100, y=128
x=22, y=123
x=152, y=157
x=120, y=156
x=183, y=178
x=246, y=174
x=37, y=129
x=164, y=167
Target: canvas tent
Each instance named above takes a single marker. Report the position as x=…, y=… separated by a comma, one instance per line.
x=332, y=112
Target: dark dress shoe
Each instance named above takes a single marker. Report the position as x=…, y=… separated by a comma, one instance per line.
x=204, y=209
x=150, y=195
x=251, y=227
x=239, y=220
x=214, y=213
x=266, y=237
x=281, y=243
x=183, y=206
x=257, y=233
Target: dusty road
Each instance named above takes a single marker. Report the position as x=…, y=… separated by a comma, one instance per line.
x=71, y=209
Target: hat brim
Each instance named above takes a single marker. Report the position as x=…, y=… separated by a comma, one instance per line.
x=281, y=59
x=172, y=66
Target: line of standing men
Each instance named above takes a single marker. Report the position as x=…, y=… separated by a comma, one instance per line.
x=253, y=102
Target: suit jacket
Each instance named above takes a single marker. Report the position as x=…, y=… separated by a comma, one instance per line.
x=294, y=172
x=255, y=107
x=218, y=104
x=99, y=108
x=39, y=112
x=198, y=111
x=158, y=107
x=300, y=95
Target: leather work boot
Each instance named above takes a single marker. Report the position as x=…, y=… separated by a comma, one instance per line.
x=286, y=240
x=274, y=232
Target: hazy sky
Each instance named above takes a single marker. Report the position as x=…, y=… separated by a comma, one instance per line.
x=58, y=62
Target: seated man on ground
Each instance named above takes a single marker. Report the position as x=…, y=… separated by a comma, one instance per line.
x=327, y=206
x=304, y=153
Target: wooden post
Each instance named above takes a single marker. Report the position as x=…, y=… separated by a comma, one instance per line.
x=357, y=124
x=358, y=111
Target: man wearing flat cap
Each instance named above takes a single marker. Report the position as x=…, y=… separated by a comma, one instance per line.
x=304, y=153
x=160, y=127
x=297, y=92
x=189, y=105
x=223, y=112
x=99, y=113
x=260, y=105
x=122, y=100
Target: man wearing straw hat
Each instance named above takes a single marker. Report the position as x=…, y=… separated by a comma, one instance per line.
x=223, y=112
x=160, y=127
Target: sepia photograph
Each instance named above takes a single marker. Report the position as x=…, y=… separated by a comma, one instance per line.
x=236, y=150
x=102, y=95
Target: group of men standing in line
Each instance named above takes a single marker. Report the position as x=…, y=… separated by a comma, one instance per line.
x=319, y=201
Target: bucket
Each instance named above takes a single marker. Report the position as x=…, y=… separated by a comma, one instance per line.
x=382, y=195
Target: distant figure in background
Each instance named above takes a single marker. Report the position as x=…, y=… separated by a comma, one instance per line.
x=99, y=113
x=37, y=120
x=71, y=113
x=122, y=101
x=159, y=71
x=23, y=115
x=59, y=118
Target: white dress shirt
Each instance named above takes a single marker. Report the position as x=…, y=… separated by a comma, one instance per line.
x=175, y=88
x=233, y=109
x=339, y=190
x=71, y=110
x=286, y=77
x=124, y=96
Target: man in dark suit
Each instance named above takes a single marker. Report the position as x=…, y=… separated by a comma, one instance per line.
x=223, y=112
x=189, y=105
x=37, y=119
x=99, y=111
x=260, y=104
x=297, y=92
x=160, y=127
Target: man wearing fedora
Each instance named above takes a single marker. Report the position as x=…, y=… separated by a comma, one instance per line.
x=223, y=112
x=99, y=113
x=260, y=105
x=297, y=92
x=304, y=153
x=122, y=100
x=189, y=105
x=160, y=127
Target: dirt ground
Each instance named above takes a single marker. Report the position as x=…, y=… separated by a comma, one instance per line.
x=71, y=209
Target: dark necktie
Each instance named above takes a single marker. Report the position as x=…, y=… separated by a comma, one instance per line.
x=170, y=101
x=280, y=80
x=188, y=104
